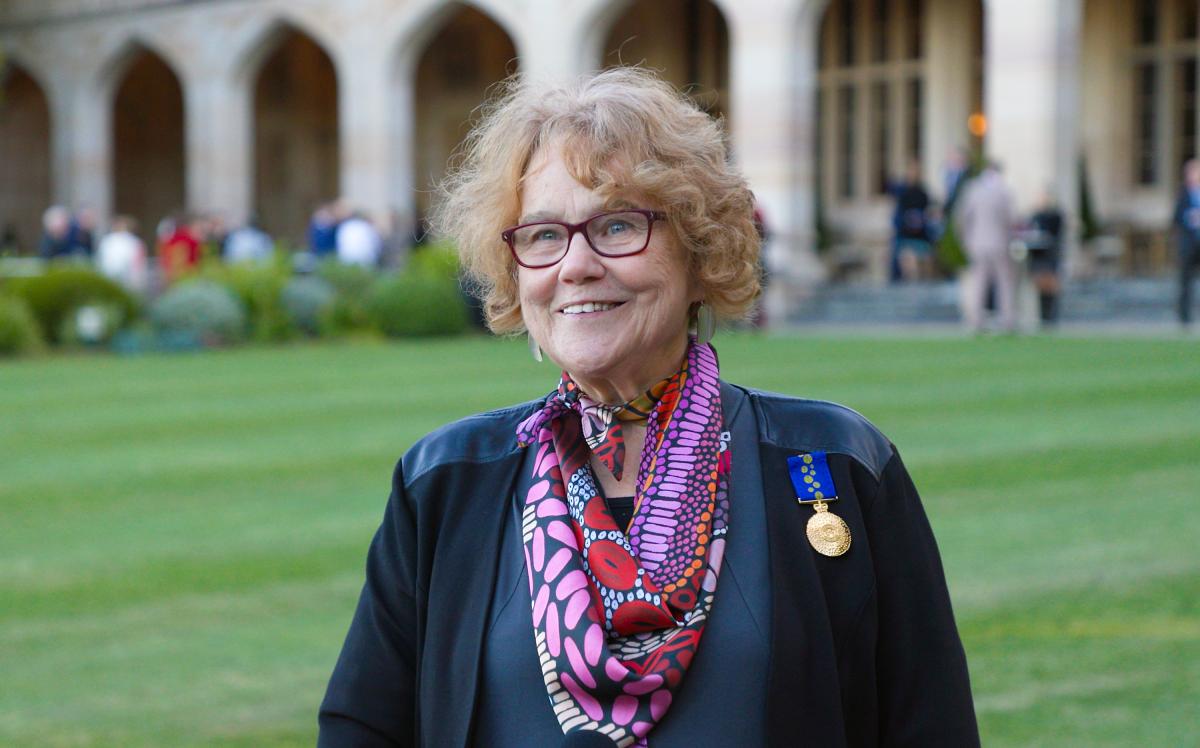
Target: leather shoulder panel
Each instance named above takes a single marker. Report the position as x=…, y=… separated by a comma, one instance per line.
x=479, y=438
x=807, y=425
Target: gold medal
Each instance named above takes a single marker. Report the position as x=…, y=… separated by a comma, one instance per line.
x=827, y=532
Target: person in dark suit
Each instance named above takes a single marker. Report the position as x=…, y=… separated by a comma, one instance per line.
x=1187, y=230
x=648, y=554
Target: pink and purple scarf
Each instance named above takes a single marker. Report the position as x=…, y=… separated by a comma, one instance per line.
x=617, y=618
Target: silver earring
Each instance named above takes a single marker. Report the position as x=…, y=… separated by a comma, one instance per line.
x=706, y=323
x=535, y=349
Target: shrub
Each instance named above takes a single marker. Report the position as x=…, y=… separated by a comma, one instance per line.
x=434, y=260
x=201, y=308
x=416, y=304
x=61, y=291
x=19, y=330
x=308, y=302
x=259, y=287
x=949, y=249
x=352, y=286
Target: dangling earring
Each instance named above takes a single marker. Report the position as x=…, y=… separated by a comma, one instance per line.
x=535, y=350
x=706, y=323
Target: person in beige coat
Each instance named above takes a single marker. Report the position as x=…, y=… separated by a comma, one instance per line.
x=985, y=220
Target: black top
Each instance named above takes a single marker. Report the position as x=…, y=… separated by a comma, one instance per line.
x=863, y=647
x=723, y=688
x=621, y=509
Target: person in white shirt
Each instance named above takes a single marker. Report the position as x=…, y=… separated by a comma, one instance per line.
x=249, y=244
x=358, y=242
x=121, y=255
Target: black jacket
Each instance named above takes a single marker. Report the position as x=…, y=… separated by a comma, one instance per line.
x=1188, y=234
x=864, y=650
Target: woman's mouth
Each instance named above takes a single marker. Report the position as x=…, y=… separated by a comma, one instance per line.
x=590, y=306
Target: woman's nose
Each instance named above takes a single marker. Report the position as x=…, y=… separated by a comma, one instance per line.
x=580, y=263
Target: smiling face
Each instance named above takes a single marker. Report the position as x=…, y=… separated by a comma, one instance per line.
x=616, y=324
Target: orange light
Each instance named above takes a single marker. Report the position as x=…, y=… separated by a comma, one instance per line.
x=977, y=124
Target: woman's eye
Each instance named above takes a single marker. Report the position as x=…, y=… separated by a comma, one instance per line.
x=616, y=227
x=548, y=235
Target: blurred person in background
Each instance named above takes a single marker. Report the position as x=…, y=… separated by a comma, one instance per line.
x=1187, y=229
x=955, y=175
x=213, y=234
x=985, y=219
x=179, y=250
x=910, y=220
x=548, y=574
x=1044, y=241
x=83, y=230
x=56, y=242
x=358, y=241
x=121, y=256
x=249, y=243
x=322, y=232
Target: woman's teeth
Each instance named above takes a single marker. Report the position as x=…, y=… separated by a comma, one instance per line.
x=588, y=307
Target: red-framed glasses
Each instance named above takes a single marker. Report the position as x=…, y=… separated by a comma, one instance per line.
x=618, y=233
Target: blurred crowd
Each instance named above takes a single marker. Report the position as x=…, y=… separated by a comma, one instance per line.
x=336, y=231
x=1002, y=248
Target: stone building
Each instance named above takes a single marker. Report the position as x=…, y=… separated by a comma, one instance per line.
x=271, y=106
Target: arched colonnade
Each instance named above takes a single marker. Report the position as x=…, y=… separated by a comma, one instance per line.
x=271, y=105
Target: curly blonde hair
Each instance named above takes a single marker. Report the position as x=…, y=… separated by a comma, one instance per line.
x=625, y=133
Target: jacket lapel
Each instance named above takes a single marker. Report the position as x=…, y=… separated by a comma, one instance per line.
x=802, y=652
x=471, y=576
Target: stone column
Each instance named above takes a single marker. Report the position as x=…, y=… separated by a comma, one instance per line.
x=949, y=69
x=60, y=94
x=363, y=123
x=772, y=113
x=219, y=149
x=556, y=42
x=1031, y=97
x=89, y=146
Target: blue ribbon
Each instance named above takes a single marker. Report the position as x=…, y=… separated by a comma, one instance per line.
x=811, y=477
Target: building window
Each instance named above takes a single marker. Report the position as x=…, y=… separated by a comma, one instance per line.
x=916, y=105
x=1189, y=19
x=871, y=77
x=1185, y=146
x=915, y=29
x=880, y=29
x=846, y=32
x=1166, y=48
x=1145, y=123
x=881, y=147
x=1146, y=22
x=846, y=123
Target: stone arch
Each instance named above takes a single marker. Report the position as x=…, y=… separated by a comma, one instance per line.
x=25, y=138
x=124, y=53
x=463, y=52
x=257, y=45
x=688, y=41
x=293, y=88
x=148, y=172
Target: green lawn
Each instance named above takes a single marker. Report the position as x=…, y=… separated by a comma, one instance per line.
x=182, y=538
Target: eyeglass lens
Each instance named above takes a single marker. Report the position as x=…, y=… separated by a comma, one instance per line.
x=611, y=234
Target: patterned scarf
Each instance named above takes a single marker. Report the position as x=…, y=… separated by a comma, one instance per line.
x=617, y=619
x=601, y=423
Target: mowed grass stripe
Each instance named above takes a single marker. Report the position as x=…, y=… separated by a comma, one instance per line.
x=183, y=537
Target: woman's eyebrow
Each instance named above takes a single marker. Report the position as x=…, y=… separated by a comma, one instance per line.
x=547, y=215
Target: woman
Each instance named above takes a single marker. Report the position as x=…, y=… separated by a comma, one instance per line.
x=624, y=561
